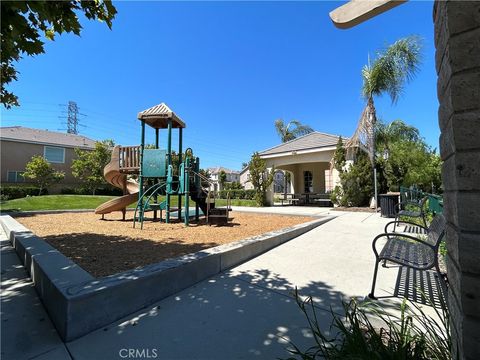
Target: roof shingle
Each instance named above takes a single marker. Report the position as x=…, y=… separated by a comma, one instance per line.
x=24, y=134
x=310, y=141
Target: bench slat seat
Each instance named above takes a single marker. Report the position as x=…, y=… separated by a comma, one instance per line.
x=417, y=251
x=407, y=253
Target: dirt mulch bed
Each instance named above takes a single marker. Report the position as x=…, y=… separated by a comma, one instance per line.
x=110, y=246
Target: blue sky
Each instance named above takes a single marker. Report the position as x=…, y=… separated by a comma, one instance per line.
x=228, y=69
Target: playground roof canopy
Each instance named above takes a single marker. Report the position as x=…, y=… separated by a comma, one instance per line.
x=158, y=116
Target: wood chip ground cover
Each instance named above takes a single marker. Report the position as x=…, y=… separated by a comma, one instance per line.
x=105, y=247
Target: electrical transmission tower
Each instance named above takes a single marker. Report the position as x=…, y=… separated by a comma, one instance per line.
x=73, y=117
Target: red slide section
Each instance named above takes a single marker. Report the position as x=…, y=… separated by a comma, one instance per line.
x=116, y=178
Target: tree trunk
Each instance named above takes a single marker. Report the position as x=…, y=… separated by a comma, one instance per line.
x=372, y=120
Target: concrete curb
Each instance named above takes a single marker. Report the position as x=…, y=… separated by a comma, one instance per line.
x=79, y=303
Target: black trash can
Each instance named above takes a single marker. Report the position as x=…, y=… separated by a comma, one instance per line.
x=388, y=202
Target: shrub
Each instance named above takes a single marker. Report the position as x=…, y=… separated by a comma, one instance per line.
x=233, y=186
x=357, y=183
x=17, y=192
x=260, y=178
x=82, y=190
x=337, y=196
x=410, y=335
x=237, y=194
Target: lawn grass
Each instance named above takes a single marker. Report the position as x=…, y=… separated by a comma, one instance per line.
x=76, y=202
x=54, y=202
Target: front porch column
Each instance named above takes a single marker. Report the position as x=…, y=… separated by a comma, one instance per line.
x=270, y=191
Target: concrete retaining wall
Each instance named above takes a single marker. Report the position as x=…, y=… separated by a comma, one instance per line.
x=78, y=303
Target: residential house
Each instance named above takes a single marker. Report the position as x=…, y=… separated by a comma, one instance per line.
x=19, y=144
x=245, y=179
x=231, y=176
x=308, y=160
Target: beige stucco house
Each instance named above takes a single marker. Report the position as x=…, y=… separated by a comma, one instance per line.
x=18, y=144
x=308, y=159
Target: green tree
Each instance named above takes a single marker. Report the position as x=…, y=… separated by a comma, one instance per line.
x=412, y=163
x=42, y=173
x=260, y=178
x=291, y=130
x=339, y=157
x=404, y=158
x=397, y=130
x=388, y=73
x=222, y=179
x=89, y=164
x=357, y=186
x=25, y=23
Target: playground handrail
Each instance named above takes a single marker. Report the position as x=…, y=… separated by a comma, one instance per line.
x=203, y=177
x=129, y=158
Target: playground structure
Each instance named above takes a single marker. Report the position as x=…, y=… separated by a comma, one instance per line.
x=159, y=175
x=118, y=178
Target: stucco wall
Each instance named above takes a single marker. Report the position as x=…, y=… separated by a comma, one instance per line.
x=15, y=155
x=280, y=161
x=318, y=172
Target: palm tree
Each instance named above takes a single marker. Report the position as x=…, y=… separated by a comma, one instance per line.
x=287, y=132
x=388, y=73
x=397, y=130
x=291, y=130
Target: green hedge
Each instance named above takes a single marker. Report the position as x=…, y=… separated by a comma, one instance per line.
x=237, y=194
x=84, y=191
x=17, y=192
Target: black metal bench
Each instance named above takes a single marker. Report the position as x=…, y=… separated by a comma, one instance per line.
x=323, y=202
x=290, y=199
x=419, y=251
x=412, y=209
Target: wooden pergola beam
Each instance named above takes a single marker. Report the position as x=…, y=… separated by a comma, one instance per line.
x=357, y=11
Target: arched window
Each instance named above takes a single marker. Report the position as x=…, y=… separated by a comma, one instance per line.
x=308, y=181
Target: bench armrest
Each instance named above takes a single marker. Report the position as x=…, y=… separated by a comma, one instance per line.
x=397, y=222
x=399, y=236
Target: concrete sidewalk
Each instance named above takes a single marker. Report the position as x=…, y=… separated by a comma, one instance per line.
x=247, y=312
x=289, y=210
x=26, y=329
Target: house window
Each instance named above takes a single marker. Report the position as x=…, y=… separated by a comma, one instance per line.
x=308, y=181
x=15, y=176
x=54, y=154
